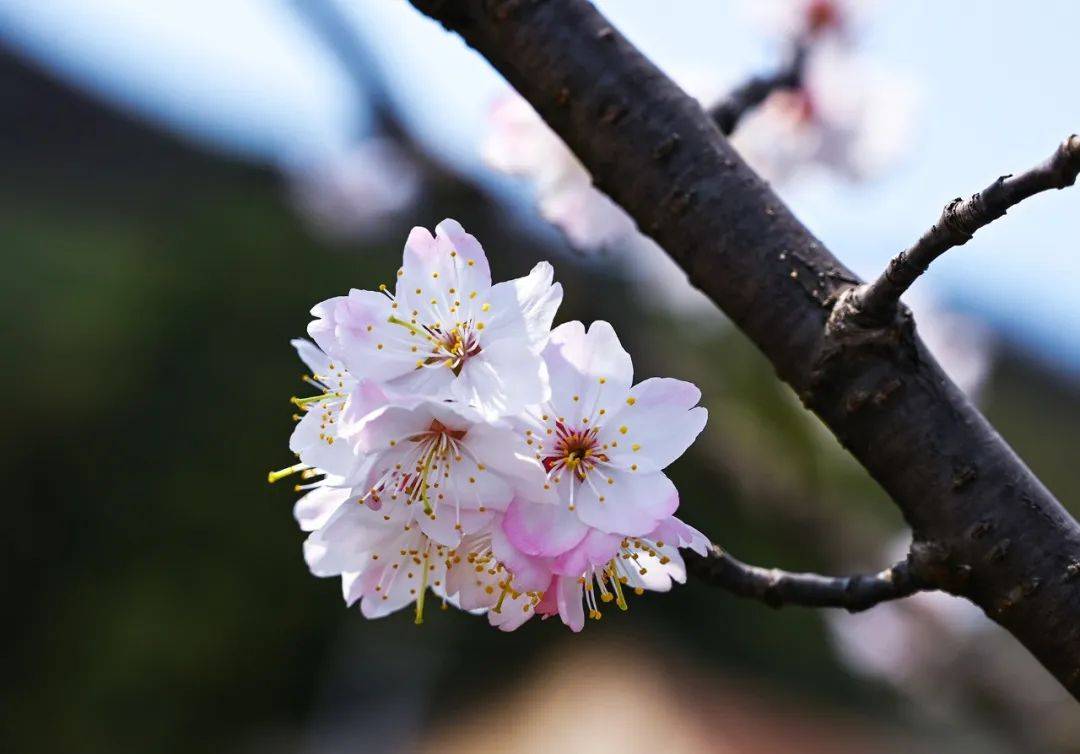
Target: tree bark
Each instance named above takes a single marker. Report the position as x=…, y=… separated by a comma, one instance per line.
x=987, y=527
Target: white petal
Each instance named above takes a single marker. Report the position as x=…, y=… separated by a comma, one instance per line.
x=633, y=502
x=523, y=308
x=312, y=356
x=355, y=329
x=504, y=378
x=595, y=550
x=451, y=237
x=657, y=427
x=443, y=528
x=318, y=444
x=587, y=370
x=675, y=532
x=314, y=509
x=569, y=598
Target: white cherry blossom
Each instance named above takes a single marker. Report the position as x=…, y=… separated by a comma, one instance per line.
x=438, y=464
x=520, y=143
x=446, y=332
x=353, y=194
x=603, y=443
x=851, y=118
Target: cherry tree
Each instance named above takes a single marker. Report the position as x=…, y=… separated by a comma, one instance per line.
x=983, y=527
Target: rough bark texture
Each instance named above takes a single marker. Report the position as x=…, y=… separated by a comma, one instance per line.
x=989, y=529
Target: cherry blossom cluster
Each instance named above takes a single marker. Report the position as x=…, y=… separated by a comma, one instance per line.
x=455, y=444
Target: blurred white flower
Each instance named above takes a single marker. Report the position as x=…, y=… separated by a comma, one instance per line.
x=807, y=19
x=851, y=118
x=520, y=143
x=353, y=194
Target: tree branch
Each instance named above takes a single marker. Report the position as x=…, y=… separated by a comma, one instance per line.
x=875, y=302
x=777, y=588
x=1002, y=539
x=729, y=111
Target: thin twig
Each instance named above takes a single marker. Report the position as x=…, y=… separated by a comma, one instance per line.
x=777, y=588
x=876, y=301
x=729, y=111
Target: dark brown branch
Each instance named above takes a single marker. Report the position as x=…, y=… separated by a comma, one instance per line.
x=777, y=588
x=1002, y=539
x=875, y=302
x=729, y=111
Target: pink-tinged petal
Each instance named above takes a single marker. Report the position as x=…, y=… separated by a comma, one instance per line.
x=515, y=611
x=433, y=265
x=502, y=380
x=503, y=451
x=354, y=329
x=630, y=503
x=390, y=599
x=448, y=525
x=569, y=598
x=542, y=529
x=589, y=219
x=471, y=590
x=655, y=425
x=596, y=549
x=588, y=370
x=531, y=574
x=314, y=509
x=549, y=602
x=420, y=258
x=471, y=487
x=348, y=539
x=451, y=237
x=352, y=585
x=312, y=356
x=319, y=448
x=364, y=399
x=673, y=531
x=390, y=424
x=326, y=559
x=523, y=309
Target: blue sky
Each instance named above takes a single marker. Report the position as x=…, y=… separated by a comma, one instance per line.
x=996, y=79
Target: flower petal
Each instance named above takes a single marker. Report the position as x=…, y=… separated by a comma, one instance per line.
x=523, y=308
x=314, y=509
x=355, y=329
x=596, y=549
x=502, y=380
x=569, y=598
x=588, y=370
x=631, y=504
x=451, y=237
x=317, y=444
x=531, y=574
x=542, y=529
x=656, y=426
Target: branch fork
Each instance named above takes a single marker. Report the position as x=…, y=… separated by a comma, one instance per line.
x=875, y=302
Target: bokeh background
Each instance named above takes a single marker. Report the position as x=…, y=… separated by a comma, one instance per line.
x=182, y=181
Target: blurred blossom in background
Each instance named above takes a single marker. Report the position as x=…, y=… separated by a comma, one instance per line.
x=183, y=180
